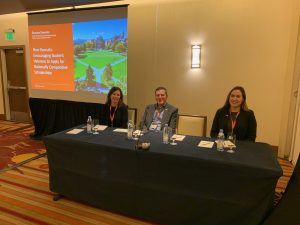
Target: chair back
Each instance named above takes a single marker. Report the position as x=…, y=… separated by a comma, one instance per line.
x=132, y=114
x=191, y=125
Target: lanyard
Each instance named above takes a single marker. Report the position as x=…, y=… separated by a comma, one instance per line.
x=158, y=113
x=233, y=121
x=113, y=115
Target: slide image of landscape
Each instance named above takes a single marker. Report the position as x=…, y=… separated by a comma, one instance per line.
x=100, y=55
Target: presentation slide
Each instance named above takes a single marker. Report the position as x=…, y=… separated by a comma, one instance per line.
x=89, y=56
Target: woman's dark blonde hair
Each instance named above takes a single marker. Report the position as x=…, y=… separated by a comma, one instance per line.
x=243, y=105
x=111, y=91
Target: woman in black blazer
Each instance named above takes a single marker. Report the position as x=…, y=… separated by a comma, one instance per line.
x=235, y=118
x=115, y=112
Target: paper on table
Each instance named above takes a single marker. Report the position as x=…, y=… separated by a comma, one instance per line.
x=100, y=127
x=120, y=130
x=228, y=144
x=75, y=131
x=206, y=144
x=137, y=132
x=179, y=137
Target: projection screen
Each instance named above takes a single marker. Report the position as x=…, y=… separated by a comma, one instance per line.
x=78, y=55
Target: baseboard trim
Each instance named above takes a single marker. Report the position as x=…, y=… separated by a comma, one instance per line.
x=2, y=117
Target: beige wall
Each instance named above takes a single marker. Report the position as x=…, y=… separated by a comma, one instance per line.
x=17, y=21
x=244, y=42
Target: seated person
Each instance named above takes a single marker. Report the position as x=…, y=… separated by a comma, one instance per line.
x=114, y=112
x=161, y=113
x=235, y=118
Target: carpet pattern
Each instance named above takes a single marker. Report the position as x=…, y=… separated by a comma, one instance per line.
x=11, y=126
x=25, y=199
x=16, y=147
x=288, y=169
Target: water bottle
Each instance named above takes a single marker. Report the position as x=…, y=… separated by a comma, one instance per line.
x=166, y=134
x=89, y=125
x=220, y=141
x=130, y=129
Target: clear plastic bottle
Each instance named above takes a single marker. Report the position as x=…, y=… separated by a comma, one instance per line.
x=89, y=124
x=166, y=134
x=130, y=129
x=220, y=141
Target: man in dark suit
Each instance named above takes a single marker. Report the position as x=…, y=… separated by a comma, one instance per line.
x=161, y=113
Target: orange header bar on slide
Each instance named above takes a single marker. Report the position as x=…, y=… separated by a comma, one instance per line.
x=51, y=57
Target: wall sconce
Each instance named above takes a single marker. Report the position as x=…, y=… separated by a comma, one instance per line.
x=196, y=56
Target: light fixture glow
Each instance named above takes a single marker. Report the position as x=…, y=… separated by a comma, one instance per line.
x=196, y=56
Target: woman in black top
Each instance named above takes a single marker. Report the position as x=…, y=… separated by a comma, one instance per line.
x=235, y=117
x=115, y=112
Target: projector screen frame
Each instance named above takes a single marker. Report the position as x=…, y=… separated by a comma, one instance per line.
x=52, y=19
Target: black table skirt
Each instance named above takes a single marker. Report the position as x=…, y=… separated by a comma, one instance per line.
x=182, y=184
x=50, y=116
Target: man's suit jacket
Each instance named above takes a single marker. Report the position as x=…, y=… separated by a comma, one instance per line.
x=169, y=116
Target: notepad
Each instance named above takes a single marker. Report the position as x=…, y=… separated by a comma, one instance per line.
x=120, y=130
x=100, y=127
x=75, y=131
x=179, y=137
x=229, y=144
x=137, y=132
x=206, y=144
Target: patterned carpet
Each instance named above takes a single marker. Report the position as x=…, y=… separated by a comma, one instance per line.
x=16, y=147
x=12, y=126
x=288, y=169
x=25, y=199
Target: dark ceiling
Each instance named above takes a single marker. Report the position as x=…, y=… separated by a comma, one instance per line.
x=16, y=6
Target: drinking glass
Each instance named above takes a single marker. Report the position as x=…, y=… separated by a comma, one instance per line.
x=232, y=139
x=135, y=135
x=144, y=130
x=173, y=136
x=95, y=126
x=153, y=126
